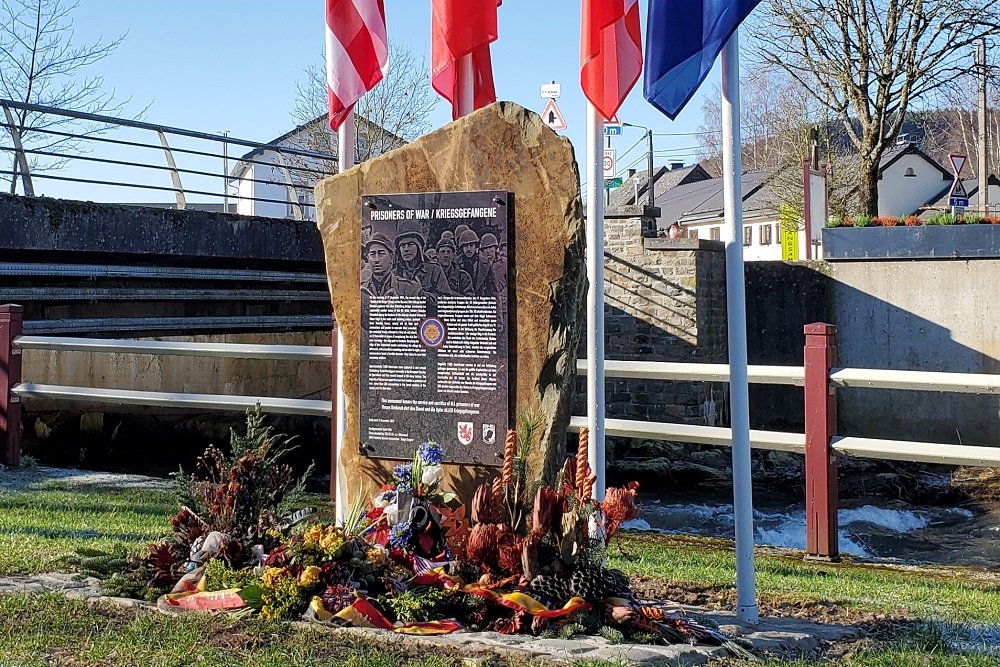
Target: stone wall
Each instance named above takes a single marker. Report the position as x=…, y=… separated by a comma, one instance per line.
x=664, y=301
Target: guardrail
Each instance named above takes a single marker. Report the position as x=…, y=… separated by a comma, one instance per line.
x=12, y=389
x=820, y=444
x=819, y=377
x=285, y=191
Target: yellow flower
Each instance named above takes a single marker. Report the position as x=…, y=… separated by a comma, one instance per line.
x=271, y=576
x=313, y=535
x=332, y=539
x=309, y=576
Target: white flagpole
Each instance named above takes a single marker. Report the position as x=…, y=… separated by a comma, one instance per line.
x=595, y=295
x=466, y=85
x=732, y=174
x=346, y=143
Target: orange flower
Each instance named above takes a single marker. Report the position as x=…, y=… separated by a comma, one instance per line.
x=620, y=504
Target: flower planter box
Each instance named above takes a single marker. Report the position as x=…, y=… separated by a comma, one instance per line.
x=924, y=242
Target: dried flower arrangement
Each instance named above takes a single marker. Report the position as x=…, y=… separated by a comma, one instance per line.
x=529, y=557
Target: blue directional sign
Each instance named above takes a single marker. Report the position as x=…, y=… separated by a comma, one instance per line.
x=612, y=130
x=960, y=202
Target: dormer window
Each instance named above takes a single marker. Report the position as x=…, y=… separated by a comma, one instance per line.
x=910, y=173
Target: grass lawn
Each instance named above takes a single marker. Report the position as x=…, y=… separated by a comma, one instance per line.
x=41, y=523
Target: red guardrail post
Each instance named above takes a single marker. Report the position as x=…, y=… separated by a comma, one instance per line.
x=11, y=317
x=821, y=425
x=334, y=408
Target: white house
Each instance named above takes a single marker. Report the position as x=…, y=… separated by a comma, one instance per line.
x=908, y=181
x=276, y=184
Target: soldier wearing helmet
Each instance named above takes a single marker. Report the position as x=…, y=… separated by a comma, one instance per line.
x=412, y=264
x=473, y=263
x=381, y=281
x=459, y=280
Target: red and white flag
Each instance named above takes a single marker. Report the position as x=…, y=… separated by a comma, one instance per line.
x=357, y=53
x=610, y=52
x=459, y=28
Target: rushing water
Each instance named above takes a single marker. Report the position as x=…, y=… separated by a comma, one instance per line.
x=882, y=530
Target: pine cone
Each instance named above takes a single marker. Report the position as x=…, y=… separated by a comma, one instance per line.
x=551, y=588
x=597, y=583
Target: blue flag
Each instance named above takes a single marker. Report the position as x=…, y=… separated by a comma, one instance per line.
x=683, y=39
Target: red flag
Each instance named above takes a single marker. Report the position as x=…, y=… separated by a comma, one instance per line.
x=610, y=52
x=458, y=28
x=357, y=53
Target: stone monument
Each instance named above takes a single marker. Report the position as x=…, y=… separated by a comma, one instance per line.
x=502, y=147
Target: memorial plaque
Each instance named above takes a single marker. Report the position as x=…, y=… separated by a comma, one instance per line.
x=434, y=339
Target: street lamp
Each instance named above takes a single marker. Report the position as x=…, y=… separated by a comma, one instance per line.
x=649, y=148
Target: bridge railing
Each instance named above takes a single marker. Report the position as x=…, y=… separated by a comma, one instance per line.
x=129, y=158
x=13, y=389
x=819, y=376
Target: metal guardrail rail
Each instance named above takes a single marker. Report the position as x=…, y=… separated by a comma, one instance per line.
x=234, y=323
x=162, y=399
x=667, y=370
x=176, y=348
x=19, y=269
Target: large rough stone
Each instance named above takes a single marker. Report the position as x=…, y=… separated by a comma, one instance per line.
x=500, y=147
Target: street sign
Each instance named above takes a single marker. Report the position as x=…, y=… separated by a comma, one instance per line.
x=552, y=117
x=958, y=191
x=958, y=202
x=610, y=157
x=551, y=90
x=957, y=162
x=613, y=182
x=612, y=126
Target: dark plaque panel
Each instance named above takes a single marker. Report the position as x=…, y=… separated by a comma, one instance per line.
x=434, y=317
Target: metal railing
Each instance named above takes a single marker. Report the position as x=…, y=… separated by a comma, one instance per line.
x=201, y=158
x=819, y=377
x=820, y=444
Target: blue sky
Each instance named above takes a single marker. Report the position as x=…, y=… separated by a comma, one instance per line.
x=227, y=65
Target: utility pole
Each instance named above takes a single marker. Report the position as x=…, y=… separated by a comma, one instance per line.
x=649, y=162
x=983, y=169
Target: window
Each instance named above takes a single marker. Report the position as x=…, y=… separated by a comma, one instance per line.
x=693, y=234
x=747, y=236
x=765, y=234
x=716, y=233
x=910, y=173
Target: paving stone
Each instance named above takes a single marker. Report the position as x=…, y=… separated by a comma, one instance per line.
x=785, y=636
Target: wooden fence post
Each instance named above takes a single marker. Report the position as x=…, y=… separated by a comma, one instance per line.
x=11, y=319
x=820, y=356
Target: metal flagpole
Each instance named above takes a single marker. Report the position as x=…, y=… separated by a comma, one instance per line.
x=346, y=142
x=466, y=85
x=732, y=174
x=595, y=295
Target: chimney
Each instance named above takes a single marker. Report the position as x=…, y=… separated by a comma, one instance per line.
x=676, y=165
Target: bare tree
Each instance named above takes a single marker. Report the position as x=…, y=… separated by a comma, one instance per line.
x=397, y=110
x=40, y=64
x=780, y=124
x=869, y=62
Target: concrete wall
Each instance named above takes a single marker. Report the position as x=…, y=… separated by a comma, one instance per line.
x=933, y=315
x=936, y=315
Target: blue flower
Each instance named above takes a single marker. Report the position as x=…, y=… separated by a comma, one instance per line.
x=431, y=453
x=403, y=472
x=403, y=487
x=399, y=535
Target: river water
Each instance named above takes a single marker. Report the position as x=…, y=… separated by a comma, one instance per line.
x=869, y=529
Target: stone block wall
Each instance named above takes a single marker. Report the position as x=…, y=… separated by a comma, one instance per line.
x=664, y=301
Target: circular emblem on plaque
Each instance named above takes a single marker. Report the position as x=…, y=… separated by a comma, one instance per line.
x=432, y=332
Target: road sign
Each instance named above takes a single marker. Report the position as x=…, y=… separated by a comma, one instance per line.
x=612, y=126
x=613, y=182
x=959, y=202
x=610, y=157
x=958, y=191
x=551, y=90
x=957, y=162
x=553, y=117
